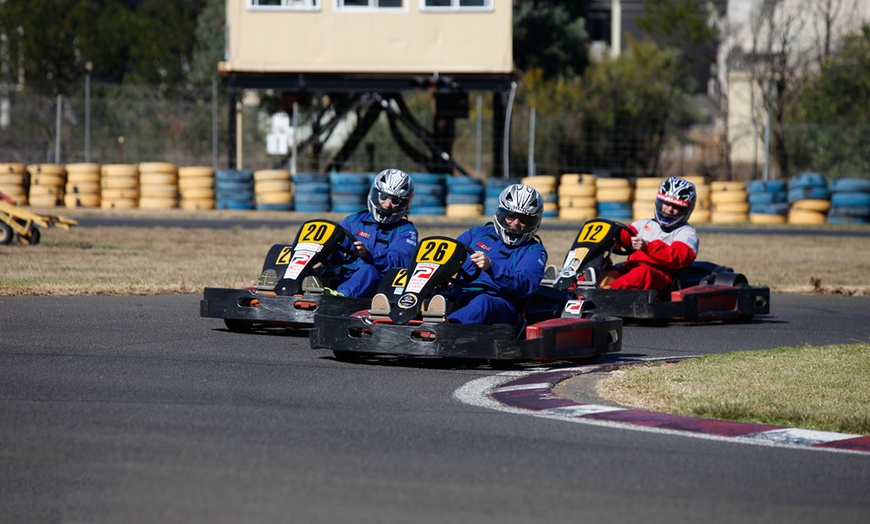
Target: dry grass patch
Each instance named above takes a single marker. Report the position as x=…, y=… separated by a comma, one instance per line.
x=820, y=388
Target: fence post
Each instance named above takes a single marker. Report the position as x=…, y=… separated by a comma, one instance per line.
x=57, y=129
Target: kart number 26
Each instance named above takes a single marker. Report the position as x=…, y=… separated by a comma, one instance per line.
x=437, y=251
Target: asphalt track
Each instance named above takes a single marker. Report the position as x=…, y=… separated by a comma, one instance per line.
x=135, y=409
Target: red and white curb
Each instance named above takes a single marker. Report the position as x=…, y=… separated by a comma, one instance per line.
x=531, y=393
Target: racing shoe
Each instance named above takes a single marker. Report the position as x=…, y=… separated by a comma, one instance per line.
x=333, y=292
x=436, y=311
x=311, y=284
x=380, y=306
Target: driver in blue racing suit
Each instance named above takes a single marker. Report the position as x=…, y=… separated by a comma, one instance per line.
x=510, y=257
x=385, y=238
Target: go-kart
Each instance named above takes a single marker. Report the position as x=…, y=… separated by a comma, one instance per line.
x=704, y=291
x=552, y=325
x=283, y=297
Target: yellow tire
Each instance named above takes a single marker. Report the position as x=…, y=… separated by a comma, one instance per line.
x=37, y=191
x=731, y=207
x=812, y=204
x=578, y=201
x=120, y=182
x=270, y=186
x=612, y=183
x=13, y=168
x=81, y=200
x=45, y=200
x=578, y=213
x=271, y=174
x=83, y=167
x=653, y=183
x=47, y=169
x=77, y=177
x=700, y=216
x=110, y=193
x=197, y=204
x=11, y=179
x=156, y=178
x=158, y=191
x=728, y=186
x=276, y=197
x=698, y=180
x=727, y=218
x=463, y=210
x=646, y=193
x=763, y=218
x=575, y=178
x=157, y=167
x=157, y=203
x=86, y=188
x=47, y=179
x=119, y=203
x=806, y=217
x=127, y=170
x=196, y=182
x=197, y=193
x=195, y=171
x=614, y=194
x=576, y=190
x=722, y=197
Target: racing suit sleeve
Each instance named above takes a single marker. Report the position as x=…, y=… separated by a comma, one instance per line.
x=675, y=256
x=521, y=274
x=393, y=250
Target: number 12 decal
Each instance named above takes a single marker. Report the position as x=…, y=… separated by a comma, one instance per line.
x=593, y=232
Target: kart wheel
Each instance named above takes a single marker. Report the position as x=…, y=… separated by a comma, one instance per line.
x=6, y=234
x=238, y=326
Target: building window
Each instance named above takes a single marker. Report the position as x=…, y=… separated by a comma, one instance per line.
x=288, y=5
x=369, y=4
x=456, y=5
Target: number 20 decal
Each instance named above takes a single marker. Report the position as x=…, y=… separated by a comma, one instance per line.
x=316, y=232
x=435, y=251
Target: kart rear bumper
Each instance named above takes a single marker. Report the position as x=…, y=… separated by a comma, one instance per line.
x=707, y=302
x=292, y=310
x=555, y=339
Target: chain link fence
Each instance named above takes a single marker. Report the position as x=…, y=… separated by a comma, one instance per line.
x=131, y=124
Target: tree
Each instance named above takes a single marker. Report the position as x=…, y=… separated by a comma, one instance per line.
x=551, y=37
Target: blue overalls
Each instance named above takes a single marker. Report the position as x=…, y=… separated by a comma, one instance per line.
x=389, y=245
x=515, y=273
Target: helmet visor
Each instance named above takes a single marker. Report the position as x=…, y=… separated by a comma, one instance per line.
x=517, y=221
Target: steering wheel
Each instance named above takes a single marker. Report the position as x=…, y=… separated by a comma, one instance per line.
x=346, y=254
x=463, y=276
x=618, y=249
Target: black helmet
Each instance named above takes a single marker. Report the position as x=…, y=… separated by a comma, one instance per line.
x=679, y=194
x=523, y=202
x=394, y=185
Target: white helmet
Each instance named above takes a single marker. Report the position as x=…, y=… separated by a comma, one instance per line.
x=396, y=186
x=680, y=195
x=522, y=202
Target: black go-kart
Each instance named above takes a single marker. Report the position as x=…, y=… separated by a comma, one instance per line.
x=702, y=292
x=552, y=326
x=285, y=296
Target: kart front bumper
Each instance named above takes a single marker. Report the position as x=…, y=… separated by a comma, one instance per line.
x=258, y=307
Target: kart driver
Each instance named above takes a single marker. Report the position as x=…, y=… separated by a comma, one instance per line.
x=385, y=238
x=663, y=245
x=510, y=257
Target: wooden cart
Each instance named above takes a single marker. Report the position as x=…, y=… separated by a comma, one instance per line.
x=15, y=220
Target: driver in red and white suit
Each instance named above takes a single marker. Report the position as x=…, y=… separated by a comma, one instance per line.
x=663, y=245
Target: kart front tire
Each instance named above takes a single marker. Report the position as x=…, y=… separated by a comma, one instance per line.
x=238, y=326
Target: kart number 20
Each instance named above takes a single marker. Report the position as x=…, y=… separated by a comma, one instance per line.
x=316, y=232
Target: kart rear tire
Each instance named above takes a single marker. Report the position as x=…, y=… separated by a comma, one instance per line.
x=238, y=326
x=33, y=238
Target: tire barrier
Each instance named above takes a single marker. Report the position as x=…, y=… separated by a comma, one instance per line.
x=430, y=190
x=349, y=191
x=614, y=196
x=13, y=182
x=234, y=189
x=47, y=182
x=196, y=188
x=577, y=196
x=809, y=199
x=768, y=201
x=273, y=190
x=83, y=185
x=850, y=201
x=158, y=185
x=464, y=197
x=311, y=193
x=729, y=202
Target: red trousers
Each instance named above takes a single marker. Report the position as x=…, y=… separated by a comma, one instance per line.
x=637, y=275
